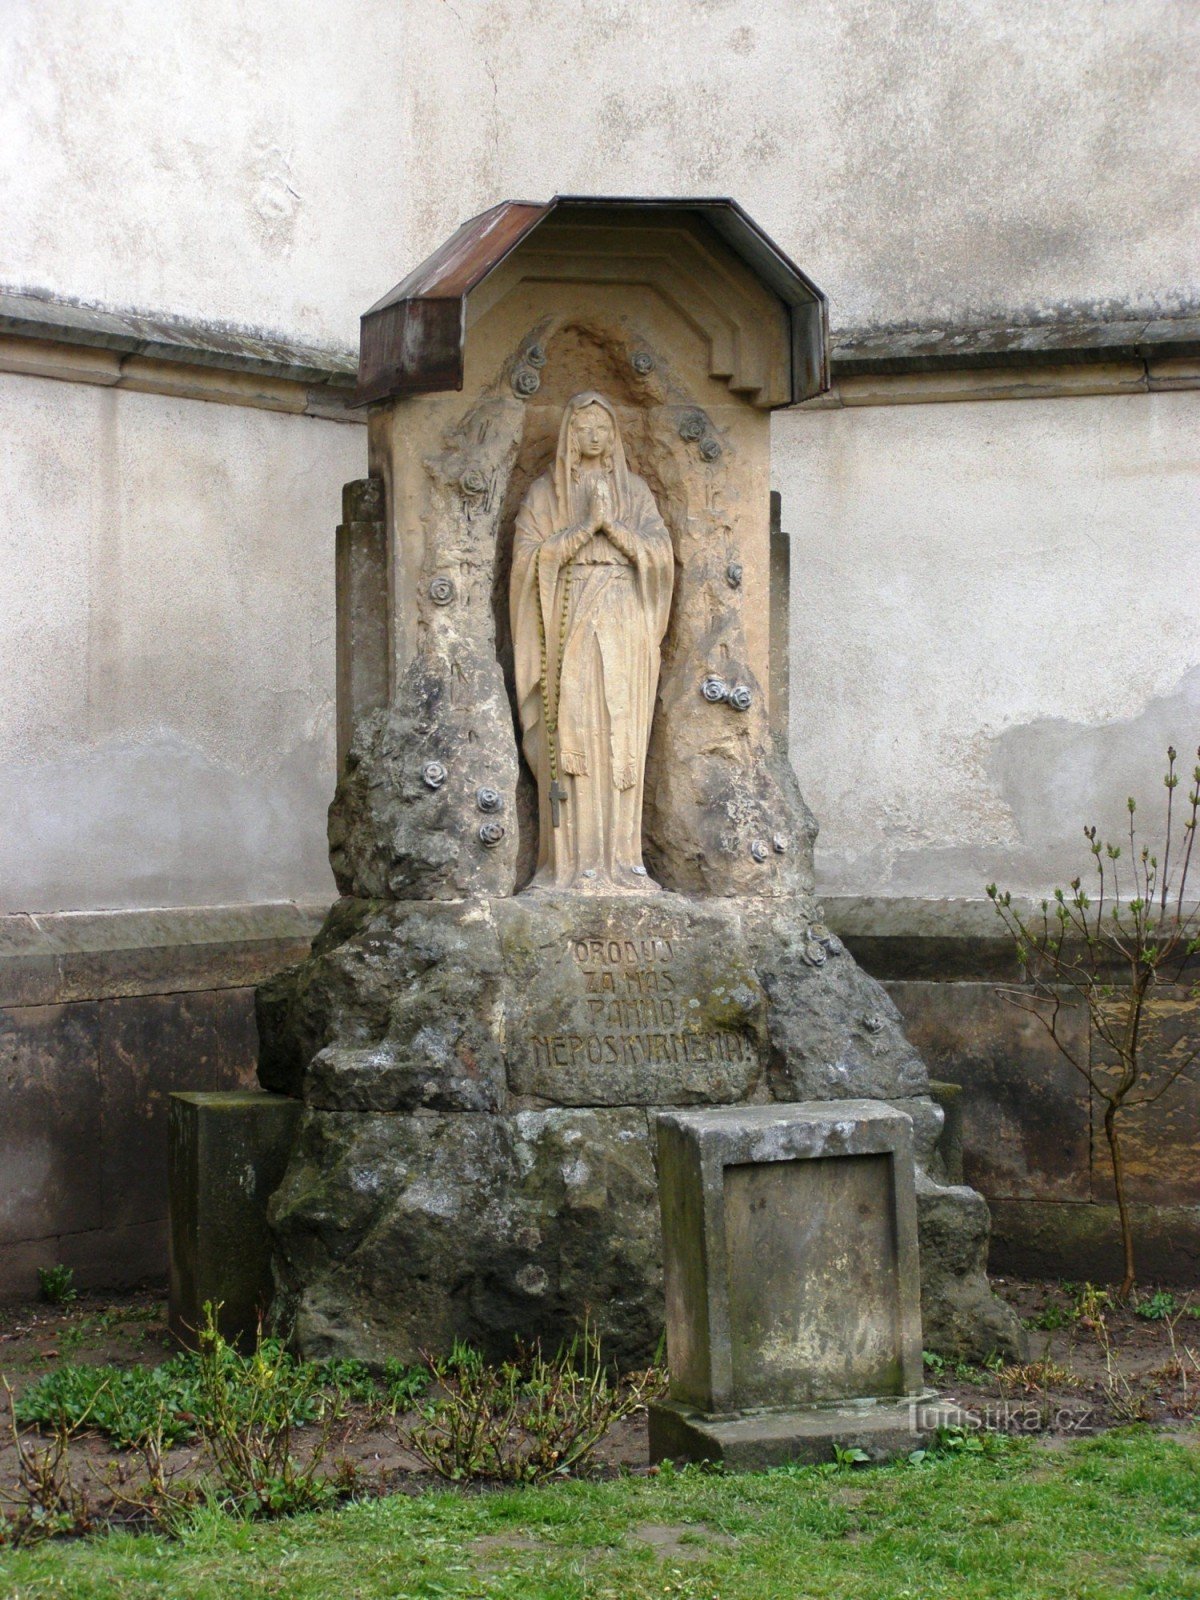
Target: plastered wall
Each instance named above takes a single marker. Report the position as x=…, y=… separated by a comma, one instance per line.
x=283, y=163
x=994, y=631
x=166, y=648
x=994, y=625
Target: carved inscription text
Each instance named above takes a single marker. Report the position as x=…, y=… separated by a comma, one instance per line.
x=637, y=1014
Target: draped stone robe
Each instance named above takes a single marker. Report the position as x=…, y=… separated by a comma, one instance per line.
x=610, y=614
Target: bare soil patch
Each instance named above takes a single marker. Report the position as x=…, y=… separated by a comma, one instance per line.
x=683, y=1541
x=1092, y=1364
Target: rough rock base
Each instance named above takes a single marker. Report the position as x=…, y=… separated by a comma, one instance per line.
x=481, y=1077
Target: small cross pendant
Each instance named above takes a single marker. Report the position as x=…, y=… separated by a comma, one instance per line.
x=557, y=795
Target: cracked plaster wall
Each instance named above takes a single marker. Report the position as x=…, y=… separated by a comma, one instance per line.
x=283, y=164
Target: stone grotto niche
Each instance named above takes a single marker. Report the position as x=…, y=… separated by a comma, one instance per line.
x=564, y=545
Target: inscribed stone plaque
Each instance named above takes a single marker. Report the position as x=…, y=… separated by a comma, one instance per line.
x=623, y=1002
x=812, y=1264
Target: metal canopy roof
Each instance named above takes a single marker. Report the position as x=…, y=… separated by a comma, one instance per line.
x=412, y=340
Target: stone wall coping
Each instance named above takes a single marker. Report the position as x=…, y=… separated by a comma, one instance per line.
x=933, y=940
x=789, y=1131
x=939, y=941
x=858, y=354
x=46, y=335
x=232, y=1100
x=52, y=958
x=165, y=337
x=908, y=916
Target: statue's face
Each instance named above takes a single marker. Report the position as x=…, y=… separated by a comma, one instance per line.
x=593, y=430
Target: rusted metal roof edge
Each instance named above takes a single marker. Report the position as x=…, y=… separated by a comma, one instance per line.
x=414, y=346
x=482, y=243
x=467, y=257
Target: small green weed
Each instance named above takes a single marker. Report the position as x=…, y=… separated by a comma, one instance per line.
x=845, y=1459
x=961, y=1441
x=528, y=1420
x=91, y=1327
x=680, y=1471
x=1052, y=1316
x=979, y=1373
x=127, y=1404
x=964, y=1371
x=351, y=1380
x=56, y=1284
x=403, y=1386
x=1157, y=1307
x=969, y=1441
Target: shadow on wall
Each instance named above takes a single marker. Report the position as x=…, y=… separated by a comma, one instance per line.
x=1055, y=776
x=159, y=823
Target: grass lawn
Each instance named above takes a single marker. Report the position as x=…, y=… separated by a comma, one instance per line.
x=1115, y=1515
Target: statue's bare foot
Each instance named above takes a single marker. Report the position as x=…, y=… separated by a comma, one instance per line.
x=595, y=881
x=642, y=883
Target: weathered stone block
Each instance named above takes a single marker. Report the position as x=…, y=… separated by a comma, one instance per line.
x=949, y=1148
x=227, y=1153
x=50, y=1186
x=1042, y=1238
x=960, y=1313
x=151, y=1046
x=790, y=1255
x=834, y=1032
x=1024, y=1107
x=1161, y=1139
x=763, y=1439
x=361, y=586
x=398, y=1009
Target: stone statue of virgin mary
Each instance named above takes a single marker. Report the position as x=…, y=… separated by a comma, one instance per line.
x=592, y=575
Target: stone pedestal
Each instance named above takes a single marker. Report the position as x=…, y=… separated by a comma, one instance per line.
x=792, y=1285
x=226, y=1154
